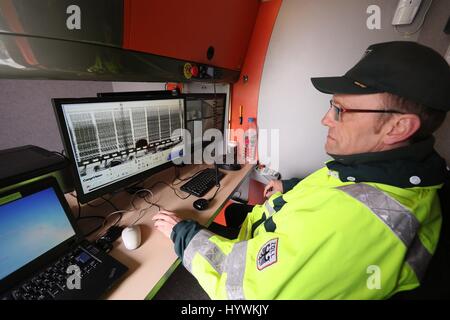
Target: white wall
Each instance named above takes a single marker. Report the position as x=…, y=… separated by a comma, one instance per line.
x=314, y=38
x=26, y=111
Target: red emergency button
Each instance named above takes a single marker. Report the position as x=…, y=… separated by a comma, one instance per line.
x=194, y=71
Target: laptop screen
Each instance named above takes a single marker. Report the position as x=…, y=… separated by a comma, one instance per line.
x=30, y=225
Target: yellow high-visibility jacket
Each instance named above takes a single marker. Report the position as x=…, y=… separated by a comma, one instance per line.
x=324, y=239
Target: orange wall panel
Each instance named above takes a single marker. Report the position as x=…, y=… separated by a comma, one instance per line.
x=246, y=94
x=185, y=29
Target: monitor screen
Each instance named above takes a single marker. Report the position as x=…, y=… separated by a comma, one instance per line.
x=30, y=225
x=204, y=111
x=114, y=142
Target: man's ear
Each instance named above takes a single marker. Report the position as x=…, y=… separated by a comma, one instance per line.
x=402, y=127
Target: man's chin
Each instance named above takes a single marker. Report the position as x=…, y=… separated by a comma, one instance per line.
x=329, y=148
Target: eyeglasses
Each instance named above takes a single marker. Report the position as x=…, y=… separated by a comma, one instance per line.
x=339, y=110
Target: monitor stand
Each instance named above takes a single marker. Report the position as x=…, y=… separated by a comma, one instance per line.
x=229, y=166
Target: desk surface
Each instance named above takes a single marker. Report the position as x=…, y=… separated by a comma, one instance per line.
x=155, y=258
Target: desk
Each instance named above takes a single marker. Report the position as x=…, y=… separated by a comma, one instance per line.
x=153, y=262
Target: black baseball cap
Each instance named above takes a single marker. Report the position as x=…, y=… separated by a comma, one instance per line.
x=403, y=68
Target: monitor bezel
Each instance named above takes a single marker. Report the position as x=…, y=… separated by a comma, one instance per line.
x=118, y=185
x=140, y=94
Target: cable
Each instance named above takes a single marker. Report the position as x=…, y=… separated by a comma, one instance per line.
x=217, y=190
x=136, y=193
x=61, y=154
x=152, y=204
x=217, y=183
x=171, y=187
x=186, y=179
x=79, y=206
x=92, y=205
x=79, y=209
x=96, y=228
x=92, y=231
x=79, y=217
x=120, y=215
x=405, y=34
x=112, y=204
x=99, y=204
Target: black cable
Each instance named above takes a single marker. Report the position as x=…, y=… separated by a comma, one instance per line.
x=186, y=179
x=152, y=203
x=134, y=186
x=173, y=189
x=217, y=190
x=92, y=231
x=89, y=217
x=61, y=154
x=79, y=217
x=79, y=209
x=110, y=202
x=99, y=204
x=120, y=213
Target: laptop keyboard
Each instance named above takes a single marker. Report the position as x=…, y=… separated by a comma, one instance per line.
x=52, y=281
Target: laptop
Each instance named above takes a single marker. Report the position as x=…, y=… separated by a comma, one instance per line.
x=43, y=255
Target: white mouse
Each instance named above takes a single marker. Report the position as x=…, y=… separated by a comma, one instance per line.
x=131, y=237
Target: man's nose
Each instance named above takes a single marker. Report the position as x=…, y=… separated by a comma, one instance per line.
x=328, y=119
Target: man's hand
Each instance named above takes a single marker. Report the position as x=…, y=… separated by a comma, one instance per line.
x=165, y=221
x=272, y=187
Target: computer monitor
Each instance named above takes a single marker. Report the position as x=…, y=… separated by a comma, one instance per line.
x=207, y=109
x=114, y=142
x=200, y=109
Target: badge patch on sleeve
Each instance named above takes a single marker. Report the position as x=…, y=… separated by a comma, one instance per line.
x=268, y=254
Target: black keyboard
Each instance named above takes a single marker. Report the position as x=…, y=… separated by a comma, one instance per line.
x=200, y=184
x=52, y=281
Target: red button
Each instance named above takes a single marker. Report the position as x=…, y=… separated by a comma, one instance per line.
x=194, y=71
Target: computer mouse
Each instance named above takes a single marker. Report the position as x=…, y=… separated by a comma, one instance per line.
x=201, y=204
x=131, y=237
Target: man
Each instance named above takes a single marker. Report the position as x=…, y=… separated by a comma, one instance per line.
x=363, y=227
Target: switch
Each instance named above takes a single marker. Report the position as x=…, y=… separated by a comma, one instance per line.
x=194, y=71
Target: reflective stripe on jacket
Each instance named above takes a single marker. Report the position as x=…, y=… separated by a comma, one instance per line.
x=324, y=239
